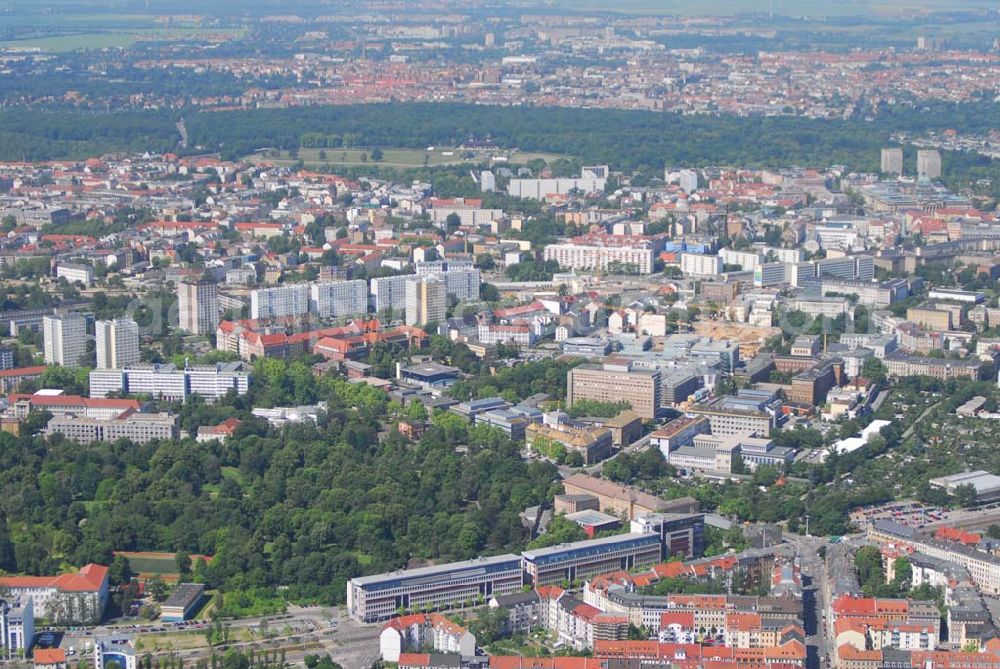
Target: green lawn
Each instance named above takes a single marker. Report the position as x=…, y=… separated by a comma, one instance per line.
x=165, y=565
x=401, y=158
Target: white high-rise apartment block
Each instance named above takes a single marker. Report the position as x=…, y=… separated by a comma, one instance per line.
x=699, y=264
x=892, y=161
x=928, y=164
x=117, y=343
x=337, y=299
x=429, y=267
x=463, y=286
x=426, y=300
x=747, y=260
x=389, y=292
x=688, y=181
x=771, y=274
x=487, y=182
x=783, y=255
x=539, y=189
x=198, y=306
x=291, y=300
x=65, y=339
x=590, y=257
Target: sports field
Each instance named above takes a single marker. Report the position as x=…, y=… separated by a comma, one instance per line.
x=150, y=563
x=393, y=157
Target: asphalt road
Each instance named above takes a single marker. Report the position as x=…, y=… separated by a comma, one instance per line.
x=301, y=631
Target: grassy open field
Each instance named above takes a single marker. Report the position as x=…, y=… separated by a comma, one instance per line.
x=119, y=38
x=148, y=564
x=814, y=9
x=400, y=158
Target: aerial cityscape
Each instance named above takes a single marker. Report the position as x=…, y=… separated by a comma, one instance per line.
x=500, y=334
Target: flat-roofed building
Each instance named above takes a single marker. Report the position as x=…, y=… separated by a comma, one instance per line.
x=986, y=485
x=616, y=381
x=339, y=299
x=726, y=418
x=65, y=339
x=198, y=306
x=380, y=597
x=426, y=300
x=182, y=603
x=589, y=257
x=388, y=294
x=811, y=386
x=929, y=318
x=585, y=559
x=76, y=273
x=678, y=386
x=280, y=301
x=892, y=160
x=166, y=381
x=679, y=432
x=626, y=501
x=681, y=534
x=136, y=427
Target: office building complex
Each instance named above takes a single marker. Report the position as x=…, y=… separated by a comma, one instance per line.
x=198, y=306
x=616, y=381
x=165, y=381
x=136, y=427
x=17, y=625
x=65, y=339
x=117, y=343
x=426, y=300
x=585, y=559
x=375, y=598
x=726, y=417
x=291, y=300
x=339, y=299
x=870, y=293
x=681, y=534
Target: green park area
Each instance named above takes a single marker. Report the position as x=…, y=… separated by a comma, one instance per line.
x=396, y=157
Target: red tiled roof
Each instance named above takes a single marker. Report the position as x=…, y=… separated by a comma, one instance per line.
x=88, y=579
x=50, y=656
x=23, y=371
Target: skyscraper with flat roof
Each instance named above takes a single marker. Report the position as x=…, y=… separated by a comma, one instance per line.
x=117, y=343
x=65, y=337
x=928, y=164
x=892, y=161
x=426, y=300
x=198, y=306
